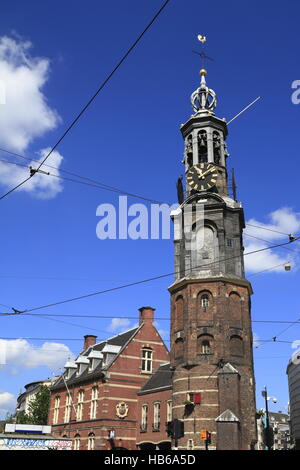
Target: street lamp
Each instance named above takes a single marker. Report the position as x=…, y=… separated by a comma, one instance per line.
x=268, y=429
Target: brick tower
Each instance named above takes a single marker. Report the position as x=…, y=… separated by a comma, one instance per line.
x=211, y=334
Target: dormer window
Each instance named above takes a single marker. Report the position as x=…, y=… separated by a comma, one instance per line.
x=82, y=363
x=95, y=357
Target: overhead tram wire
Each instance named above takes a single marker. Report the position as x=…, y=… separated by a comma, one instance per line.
x=100, y=280
x=143, y=281
x=76, y=119
x=268, y=229
x=270, y=242
x=71, y=315
x=103, y=186
x=91, y=183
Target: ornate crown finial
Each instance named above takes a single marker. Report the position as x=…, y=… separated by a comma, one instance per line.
x=203, y=99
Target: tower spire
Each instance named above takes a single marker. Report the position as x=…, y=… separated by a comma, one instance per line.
x=203, y=99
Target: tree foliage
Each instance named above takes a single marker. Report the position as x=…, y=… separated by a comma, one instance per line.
x=38, y=407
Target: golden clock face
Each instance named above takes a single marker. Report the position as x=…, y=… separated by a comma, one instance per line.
x=202, y=177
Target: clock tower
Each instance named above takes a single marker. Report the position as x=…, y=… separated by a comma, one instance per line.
x=211, y=333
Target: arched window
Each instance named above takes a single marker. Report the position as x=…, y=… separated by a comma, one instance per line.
x=178, y=348
x=205, y=347
x=202, y=146
x=205, y=248
x=189, y=150
x=144, y=420
x=204, y=302
x=178, y=326
x=236, y=346
x=205, y=309
x=156, y=416
x=91, y=441
x=235, y=310
x=217, y=147
x=77, y=442
x=205, y=344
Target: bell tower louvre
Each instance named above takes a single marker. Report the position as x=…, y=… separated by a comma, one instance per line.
x=211, y=332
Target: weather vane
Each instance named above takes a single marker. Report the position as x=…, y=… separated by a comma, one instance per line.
x=202, y=54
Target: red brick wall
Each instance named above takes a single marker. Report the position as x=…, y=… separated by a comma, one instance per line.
x=228, y=316
x=151, y=436
x=124, y=381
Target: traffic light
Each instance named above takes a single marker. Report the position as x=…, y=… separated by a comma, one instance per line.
x=178, y=429
x=170, y=428
x=208, y=437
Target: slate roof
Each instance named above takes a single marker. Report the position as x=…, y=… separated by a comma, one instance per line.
x=118, y=340
x=161, y=379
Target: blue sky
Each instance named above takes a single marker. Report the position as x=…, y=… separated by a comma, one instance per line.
x=130, y=138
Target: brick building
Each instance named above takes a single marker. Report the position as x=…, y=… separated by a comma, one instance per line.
x=95, y=400
x=211, y=333
x=209, y=384
x=155, y=410
x=293, y=373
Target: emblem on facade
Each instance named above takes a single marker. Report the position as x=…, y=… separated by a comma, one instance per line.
x=122, y=409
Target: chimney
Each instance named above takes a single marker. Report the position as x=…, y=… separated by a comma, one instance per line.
x=89, y=340
x=146, y=315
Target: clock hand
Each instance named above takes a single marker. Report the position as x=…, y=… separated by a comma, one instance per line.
x=199, y=171
x=207, y=171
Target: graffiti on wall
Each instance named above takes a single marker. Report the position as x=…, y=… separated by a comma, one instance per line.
x=35, y=444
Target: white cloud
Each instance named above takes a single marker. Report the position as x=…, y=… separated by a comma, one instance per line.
x=118, y=324
x=19, y=354
x=7, y=403
x=256, y=342
x=283, y=220
x=40, y=185
x=25, y=114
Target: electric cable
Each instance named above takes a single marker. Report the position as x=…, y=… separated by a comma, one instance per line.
x=270, y=242
x=89, y=182
x=143, y=281
x=75, y=120
x=149, y=279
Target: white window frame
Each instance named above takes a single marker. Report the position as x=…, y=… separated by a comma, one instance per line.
x=91, y=441
x=144, y=420
x=79, y=410
x=204, y=301
x=147, y=359
x=77, y=443
x=56, y=410
x=68, y=408
x=93, y=412
x=156, y=415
